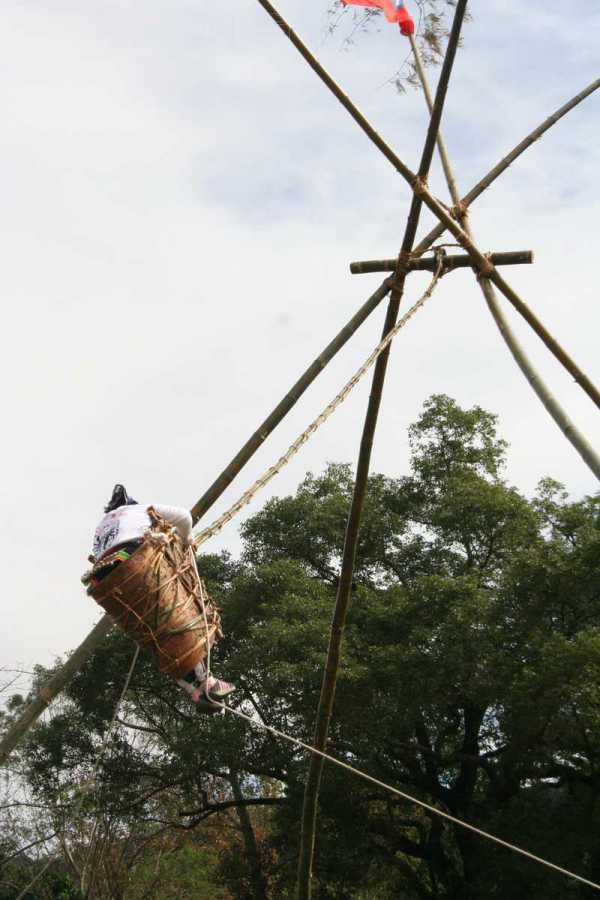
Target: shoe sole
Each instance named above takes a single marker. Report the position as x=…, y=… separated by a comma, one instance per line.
x=204, y=706
x=216, y=695
x=222, y=695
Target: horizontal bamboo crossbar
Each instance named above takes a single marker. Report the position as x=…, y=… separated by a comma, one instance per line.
x=419, y=187
x=429, y=264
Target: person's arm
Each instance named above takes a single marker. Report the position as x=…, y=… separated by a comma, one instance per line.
x=178, y=517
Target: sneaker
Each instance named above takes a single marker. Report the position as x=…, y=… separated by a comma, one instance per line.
x=217, y=689
x=210, y=709
x=201, y=701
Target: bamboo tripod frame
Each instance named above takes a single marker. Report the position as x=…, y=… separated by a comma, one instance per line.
x=478, y=260
x=487, y=275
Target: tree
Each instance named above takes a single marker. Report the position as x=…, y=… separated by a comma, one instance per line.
x=469, y=679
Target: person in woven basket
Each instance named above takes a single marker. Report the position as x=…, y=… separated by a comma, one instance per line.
x=118, y=535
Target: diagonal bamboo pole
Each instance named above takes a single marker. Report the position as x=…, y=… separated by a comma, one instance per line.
x=52, y=688
x=573, y=435
x=282, y=408
x=509, y=159
x=254, y=442
x=86, y=648
x=419, y=187
x=326, y=699
x=61, y=678
x=228, y=474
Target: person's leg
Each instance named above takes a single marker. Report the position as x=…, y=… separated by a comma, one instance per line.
x=203, y=686
x=217, y=689
x=188, y=684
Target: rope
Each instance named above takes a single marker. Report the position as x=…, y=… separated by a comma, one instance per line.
x=340, y=763
x=155, y=616
x=411, y=799
x=203, y=601
x=274, y=470
x=99, y=758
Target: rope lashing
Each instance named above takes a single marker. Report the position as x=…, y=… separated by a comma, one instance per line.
x=157, y=598
x=274, y=470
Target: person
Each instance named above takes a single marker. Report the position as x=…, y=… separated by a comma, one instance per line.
x=118, y=535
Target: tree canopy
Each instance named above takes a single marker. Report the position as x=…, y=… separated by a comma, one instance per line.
x=469, y=679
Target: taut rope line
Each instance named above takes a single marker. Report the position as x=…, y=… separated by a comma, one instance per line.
x=271, y=472
x=411, y=799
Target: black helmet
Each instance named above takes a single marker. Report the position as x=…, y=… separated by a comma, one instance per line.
x=119, y=498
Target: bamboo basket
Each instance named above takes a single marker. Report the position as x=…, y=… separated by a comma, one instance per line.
x=157, y=597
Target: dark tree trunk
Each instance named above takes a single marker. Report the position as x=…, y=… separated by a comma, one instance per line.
x=259, y=886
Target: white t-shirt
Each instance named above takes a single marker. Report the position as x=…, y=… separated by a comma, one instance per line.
x=130, y=523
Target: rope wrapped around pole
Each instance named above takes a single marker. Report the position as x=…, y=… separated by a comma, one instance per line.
x=420, y=189
x=326, y=699
x=551, y=404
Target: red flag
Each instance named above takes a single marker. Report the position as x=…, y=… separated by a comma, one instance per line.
x=394, y=11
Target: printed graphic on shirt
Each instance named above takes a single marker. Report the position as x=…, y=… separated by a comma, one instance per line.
x=106, y=534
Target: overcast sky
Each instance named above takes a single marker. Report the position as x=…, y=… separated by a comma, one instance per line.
x=181, y=198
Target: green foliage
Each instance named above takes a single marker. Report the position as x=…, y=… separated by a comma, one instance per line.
x=469, y=678
x=187, y=872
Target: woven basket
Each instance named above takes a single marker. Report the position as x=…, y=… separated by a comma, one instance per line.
x=156, y=597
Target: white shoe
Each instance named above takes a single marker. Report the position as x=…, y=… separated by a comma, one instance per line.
x=216, y=689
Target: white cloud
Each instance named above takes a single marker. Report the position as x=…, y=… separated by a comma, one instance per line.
x=181, y=199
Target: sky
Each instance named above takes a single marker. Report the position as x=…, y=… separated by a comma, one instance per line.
x=181, y=199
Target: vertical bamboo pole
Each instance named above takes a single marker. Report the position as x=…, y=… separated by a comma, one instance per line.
x=86, y=648
x=326, y=700
x=254, y=442
x=283, y=407
x=484, y=183
x=60, y=679
x=573, y=435
x=480, y=261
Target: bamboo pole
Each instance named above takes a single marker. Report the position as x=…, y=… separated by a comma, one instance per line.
x=283, y=407
x=568, y=428
x=430, y=263
x=213, y=493
x=90, y=643
x=57, y=683
x=326, y=699
x=509, y=159
x=571, y=432
x=52, y=688
x=419, y=187
x=441, y=144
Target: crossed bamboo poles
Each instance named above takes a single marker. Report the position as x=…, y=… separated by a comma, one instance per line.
x=344, y=589
x=487, y=273
x=479, y=261
x=581, y=444
x=57, y=683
